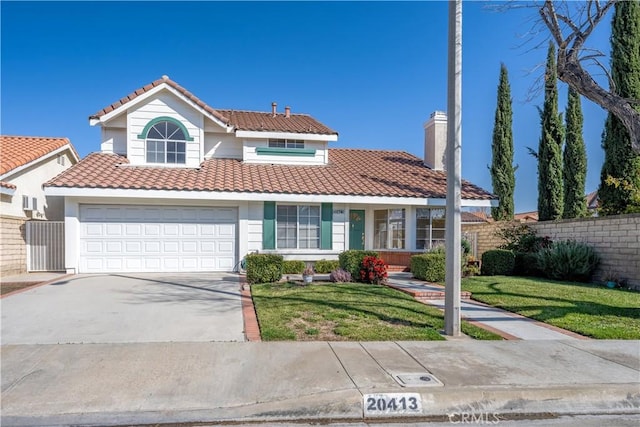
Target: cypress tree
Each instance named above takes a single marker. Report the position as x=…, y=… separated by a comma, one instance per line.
x=550, y=197
x=620, y=161
x=575, y=160
x=502, y=170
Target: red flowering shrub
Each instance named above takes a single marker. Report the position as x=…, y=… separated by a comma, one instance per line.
x=373, y=270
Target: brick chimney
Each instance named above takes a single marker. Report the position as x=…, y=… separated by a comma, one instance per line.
x=287, y=111
x=274, y=108
x=435, y=140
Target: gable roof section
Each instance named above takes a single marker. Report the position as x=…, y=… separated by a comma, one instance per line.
x=349, y=172
x=18, y=151
x=240, y=120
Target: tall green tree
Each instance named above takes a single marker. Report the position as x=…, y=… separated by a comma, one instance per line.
x=550, y=186
x=575, y=160
x=502, y=169
x=620, y=161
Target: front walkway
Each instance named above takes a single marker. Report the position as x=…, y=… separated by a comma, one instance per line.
x=508, y=325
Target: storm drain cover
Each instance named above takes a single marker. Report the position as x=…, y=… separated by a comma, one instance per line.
x=420, y=379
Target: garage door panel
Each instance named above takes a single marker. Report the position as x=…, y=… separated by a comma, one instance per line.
x=159, y=239
x=132, y=247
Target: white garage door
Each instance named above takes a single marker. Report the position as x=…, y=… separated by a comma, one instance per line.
x=116, y=238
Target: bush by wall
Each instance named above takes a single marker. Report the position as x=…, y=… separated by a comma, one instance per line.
x=263, y=268
x=293, y=267
x=568, y=260
x=325, y=266
x=497, y=262
x=429, y=267
x=351, y=260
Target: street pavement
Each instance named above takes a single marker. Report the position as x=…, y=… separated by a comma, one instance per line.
x=270, y=382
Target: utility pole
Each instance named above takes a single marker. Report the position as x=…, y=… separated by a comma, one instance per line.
x=453, y=153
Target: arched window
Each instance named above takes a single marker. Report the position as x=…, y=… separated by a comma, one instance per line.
x=165, y=140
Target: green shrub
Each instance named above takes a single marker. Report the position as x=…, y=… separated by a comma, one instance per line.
x=293, y=267
x=522, y=238
x=526, y=264
x=429, y=266
x=351, y=260
x=466, y=247
x=264, y=268
x=498, y=262
x=325, y=266
x=568, y=260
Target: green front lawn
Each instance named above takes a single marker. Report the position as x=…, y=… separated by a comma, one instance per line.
x=586, y=309
x=347, y=312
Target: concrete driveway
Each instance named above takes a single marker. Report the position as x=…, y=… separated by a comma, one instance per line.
x=126, y=308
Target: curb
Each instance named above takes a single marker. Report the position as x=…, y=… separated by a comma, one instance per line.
x=250, y=320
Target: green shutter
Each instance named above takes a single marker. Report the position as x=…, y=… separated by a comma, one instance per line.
x=326, y=226
x=269, y=226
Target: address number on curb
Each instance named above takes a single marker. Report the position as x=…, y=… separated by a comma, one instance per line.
x=390, y=404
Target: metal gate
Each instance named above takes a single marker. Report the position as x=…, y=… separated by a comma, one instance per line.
x=45, y=246
x=472, y=238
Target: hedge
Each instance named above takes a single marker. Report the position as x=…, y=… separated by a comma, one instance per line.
x=498, y=262
x=263, y=268
x=429, y=267
x=293, y=267
x=325, y=266
x=351, y=260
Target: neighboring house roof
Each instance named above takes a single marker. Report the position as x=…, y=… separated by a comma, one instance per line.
x=592, y=200
x=349, y=172
x=7, y=185
x=472, y=217
x=241, y=120
x=526, y=216
x=18, y=151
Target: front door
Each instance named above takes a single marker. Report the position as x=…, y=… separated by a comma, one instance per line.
x=356, y=229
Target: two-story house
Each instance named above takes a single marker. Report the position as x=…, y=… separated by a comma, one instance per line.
x=181, y=186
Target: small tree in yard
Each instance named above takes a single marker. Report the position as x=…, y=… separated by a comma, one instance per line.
x=620, y=161
x=550, y=197
x=502, y=169
x=575, y=161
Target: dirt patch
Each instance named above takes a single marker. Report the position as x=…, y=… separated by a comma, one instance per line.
x=320, y=330
x=7, y=287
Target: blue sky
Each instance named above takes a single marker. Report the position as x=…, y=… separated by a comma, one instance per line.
x=372, y=71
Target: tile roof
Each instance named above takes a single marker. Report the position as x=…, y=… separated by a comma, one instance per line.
x=470, y=217
x=349, y=172
x=7, y=185
x=16, y=151
x=241, y=120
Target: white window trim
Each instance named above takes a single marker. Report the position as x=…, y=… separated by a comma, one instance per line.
x=389, y=239
x=429, y=239
x=297, y=206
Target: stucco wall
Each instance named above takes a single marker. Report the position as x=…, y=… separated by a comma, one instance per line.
x=13, y=249
x=615, y=238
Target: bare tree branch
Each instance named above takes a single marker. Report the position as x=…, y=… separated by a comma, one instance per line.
x=570, y=68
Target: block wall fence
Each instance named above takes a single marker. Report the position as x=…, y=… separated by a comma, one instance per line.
x=616, y=239
x=13, y=249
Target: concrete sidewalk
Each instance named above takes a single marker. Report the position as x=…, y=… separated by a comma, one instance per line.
x=509, y=325
x=121, y=384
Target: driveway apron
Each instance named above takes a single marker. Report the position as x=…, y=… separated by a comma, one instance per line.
x=122, y=308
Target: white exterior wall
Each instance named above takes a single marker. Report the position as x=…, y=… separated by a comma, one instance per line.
x=254, y=227
x=71, y=235
x=29, y=182
x=164, y=104
x=114, y=140
x=340, y=227
x=249, y=153
x=222, y=145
